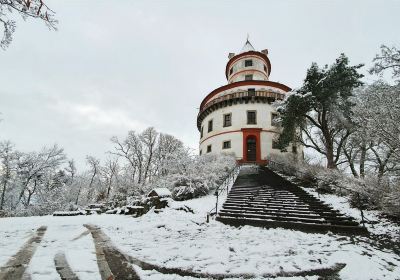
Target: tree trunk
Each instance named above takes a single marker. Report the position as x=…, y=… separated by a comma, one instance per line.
x=329, y=157
x=140, y=172
x=28, y=201
x=21, y=194
x=77, y=196
x=381, y=171
x=331, y=164
x=3, y=193
x=349, y=154
x=148, y=166
x=90, y=184
x=362, y=160
x=109, y=186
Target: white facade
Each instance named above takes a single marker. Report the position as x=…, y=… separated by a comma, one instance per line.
x=233, y=133
x=248, y=131
x=238, y=69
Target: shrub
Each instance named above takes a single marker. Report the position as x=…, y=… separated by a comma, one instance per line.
x=391, y=200
x=189, y=192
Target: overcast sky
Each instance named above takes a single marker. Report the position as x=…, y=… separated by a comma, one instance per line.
x=115, y=66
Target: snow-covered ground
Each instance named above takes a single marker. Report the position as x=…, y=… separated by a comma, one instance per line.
x=179, y=239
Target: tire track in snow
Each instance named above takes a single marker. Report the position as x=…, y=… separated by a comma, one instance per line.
x=63, y=268
x=16, y=266
x=100, y=237
x=112, y=263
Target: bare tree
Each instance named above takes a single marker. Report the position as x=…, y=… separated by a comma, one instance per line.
x=71, y=170
x=7, y=166
x=388, y=59
x=168, y=146
x=94, y=165
x=32, y=166
x=27, y=9
x=131, y=149
x=372, y=144
x=110, y=171
x=149, y=139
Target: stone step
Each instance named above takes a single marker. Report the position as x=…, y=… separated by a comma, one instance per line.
x=270, y=212
x=308, y=227
x=287, y=214
x=316, y=220
x=264, y=194
x=314, y=206
x=283, y=202
x=281, y=209
x=273, y=217
x=265, y=202
x=264, y=198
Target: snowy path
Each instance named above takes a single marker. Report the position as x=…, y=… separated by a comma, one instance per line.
x=176, y=239
x=15, y=267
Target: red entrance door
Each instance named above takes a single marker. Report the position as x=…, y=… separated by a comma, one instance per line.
x=251, y=144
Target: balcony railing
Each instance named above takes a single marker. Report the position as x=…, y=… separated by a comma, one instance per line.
x=243, y=94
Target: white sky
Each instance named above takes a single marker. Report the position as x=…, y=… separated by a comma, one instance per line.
x=115, y=66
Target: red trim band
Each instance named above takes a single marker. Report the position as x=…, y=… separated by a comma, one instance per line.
x=259, y=54
x=240, y=130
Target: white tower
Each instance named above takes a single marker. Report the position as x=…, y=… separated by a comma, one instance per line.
x=238, y=117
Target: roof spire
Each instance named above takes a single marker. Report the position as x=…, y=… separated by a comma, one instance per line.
x=247, y=46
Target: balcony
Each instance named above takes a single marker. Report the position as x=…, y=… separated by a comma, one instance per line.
x=239, y=97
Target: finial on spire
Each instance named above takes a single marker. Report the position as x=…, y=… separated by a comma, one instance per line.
x=247, y=46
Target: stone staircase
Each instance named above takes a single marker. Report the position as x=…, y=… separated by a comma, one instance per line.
x=261, y=197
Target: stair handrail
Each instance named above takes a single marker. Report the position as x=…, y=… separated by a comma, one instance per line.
x=357, y=193
x=224, y=186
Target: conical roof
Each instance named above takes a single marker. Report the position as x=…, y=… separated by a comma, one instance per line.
x=247, y=46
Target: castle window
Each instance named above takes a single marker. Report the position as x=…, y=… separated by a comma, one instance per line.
x=248, y=77
x=251, y=117
x=252, y=92
x=226, y=144
x=248, y=62
x=210, y=125
x=201, y=132
x=227, y=120
x=231, y=71
x=294, y=149
x=201, y=151
x=265, y=69
x=209, y=149
x=274, y=119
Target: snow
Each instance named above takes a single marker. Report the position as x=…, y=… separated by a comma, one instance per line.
x=375, y=223
x=161, y=192
x=68, y=213
x=12, y=238
x=179, y=239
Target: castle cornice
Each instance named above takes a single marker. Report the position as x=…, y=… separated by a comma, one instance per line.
x=243, y=83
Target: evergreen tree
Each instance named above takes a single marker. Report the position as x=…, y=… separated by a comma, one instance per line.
x=318, y=115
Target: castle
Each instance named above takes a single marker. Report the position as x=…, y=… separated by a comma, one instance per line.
x=239, y=117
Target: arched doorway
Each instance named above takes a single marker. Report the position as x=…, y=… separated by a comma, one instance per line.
x=251, y=148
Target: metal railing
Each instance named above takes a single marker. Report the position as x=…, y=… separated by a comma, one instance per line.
x=241, y=94
x=359, y=204
x=229, y=179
